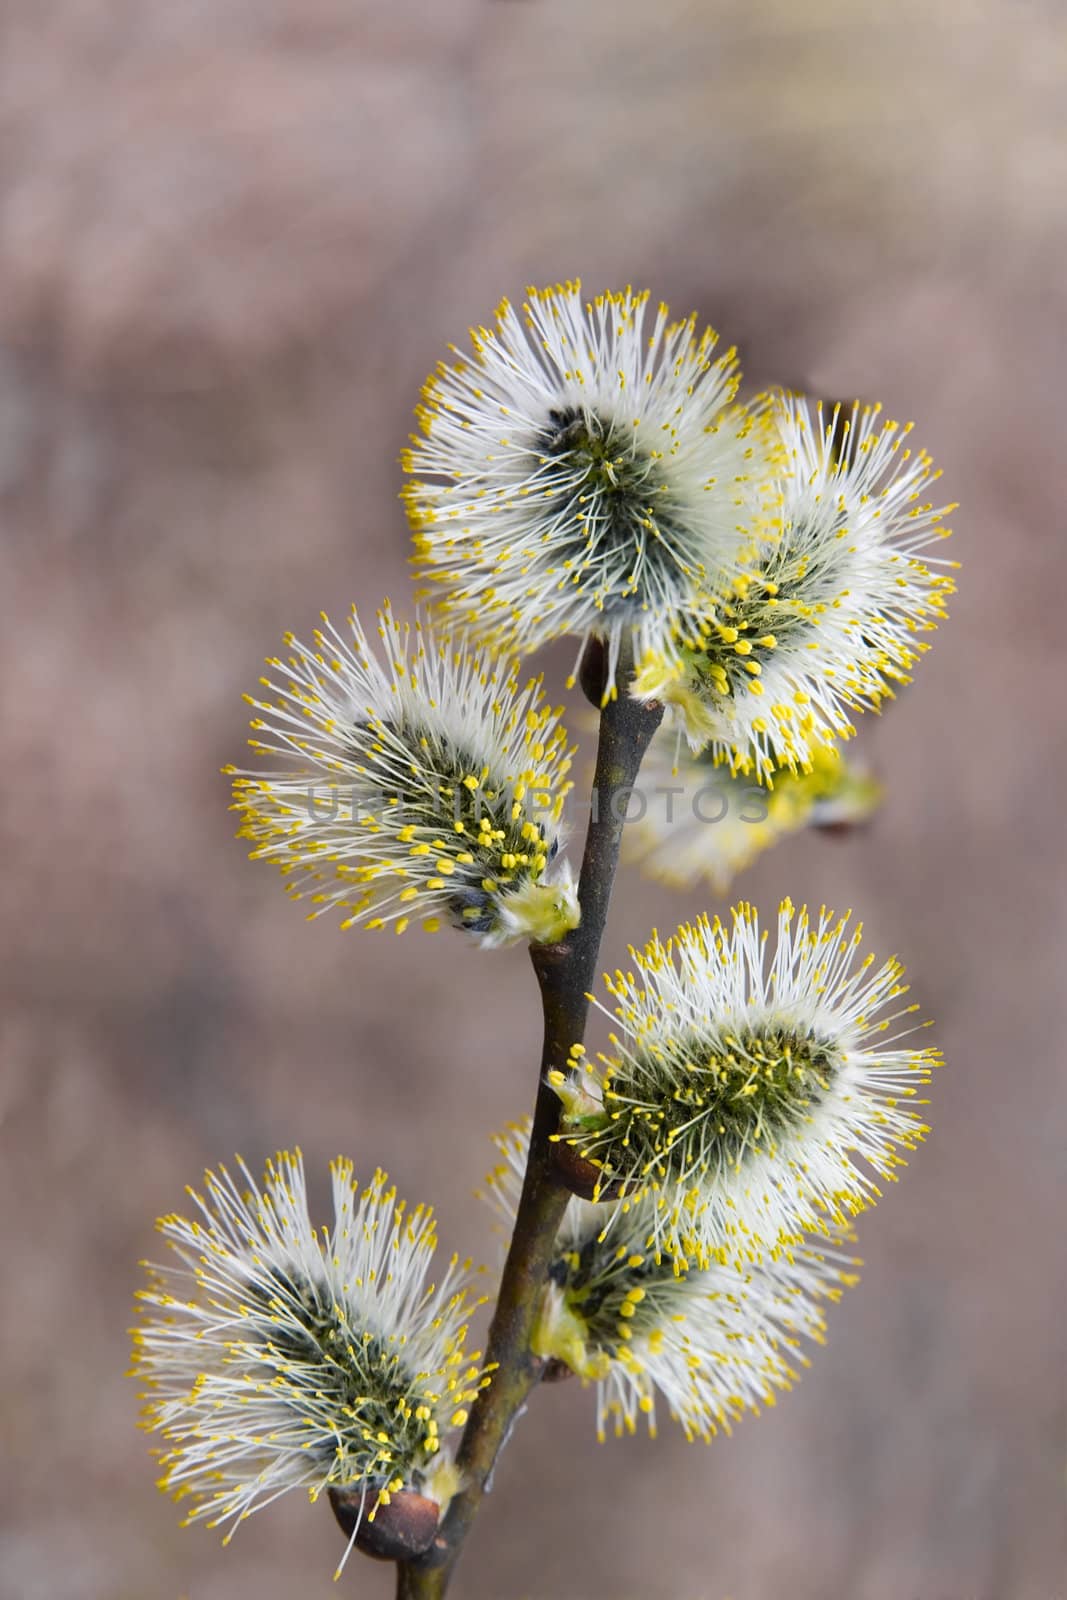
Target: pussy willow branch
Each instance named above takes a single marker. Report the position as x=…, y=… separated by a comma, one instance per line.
x=565, y=972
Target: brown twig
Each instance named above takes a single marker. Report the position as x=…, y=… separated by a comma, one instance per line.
x=565, y=972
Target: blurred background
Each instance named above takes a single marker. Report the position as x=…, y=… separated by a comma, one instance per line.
x=234, y=236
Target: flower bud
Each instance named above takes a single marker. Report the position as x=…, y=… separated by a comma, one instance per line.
x=709, y=1339
x=586, y=471
x=583, y=1177
x=389, y=1527
x=593, y=673
x=752, y=1094
x=420, y=783
x=704, y=821
x=279, y=1356
x=555, y=1371
x=828, y=618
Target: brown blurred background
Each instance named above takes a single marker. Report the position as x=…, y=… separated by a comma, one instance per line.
x=233, y=238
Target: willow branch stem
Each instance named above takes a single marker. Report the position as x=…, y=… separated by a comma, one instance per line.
x=565, y=973
x=413, y=1583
